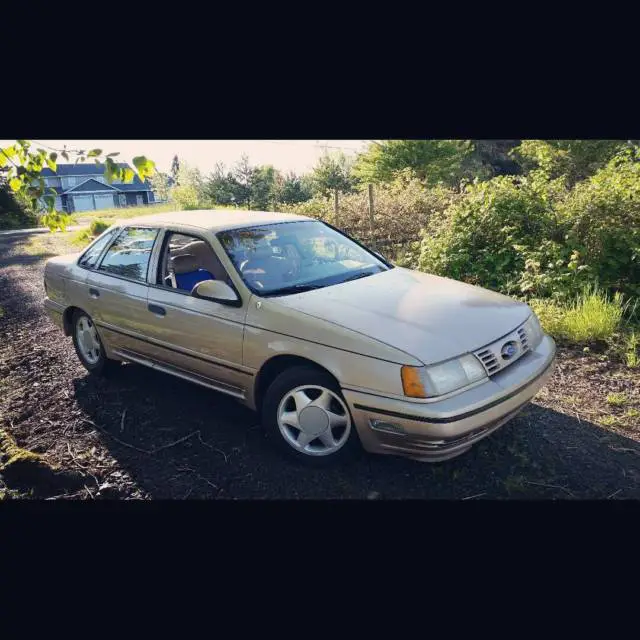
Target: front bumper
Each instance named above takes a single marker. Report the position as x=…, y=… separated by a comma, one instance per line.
x=443, y=429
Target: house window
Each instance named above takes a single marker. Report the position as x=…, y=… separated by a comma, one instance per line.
x=69, y=182
x=122, y=200
x=139, y=199
x=52, y=182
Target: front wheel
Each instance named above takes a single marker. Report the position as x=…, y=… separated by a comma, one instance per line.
x=306, y=416
x=88, y=345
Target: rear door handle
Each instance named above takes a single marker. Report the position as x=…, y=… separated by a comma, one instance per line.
x=94, y=293
x=159, y=311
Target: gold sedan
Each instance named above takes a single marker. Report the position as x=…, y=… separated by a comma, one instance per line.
x=334, y=346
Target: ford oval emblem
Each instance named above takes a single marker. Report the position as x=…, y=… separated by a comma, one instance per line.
x=509, y=349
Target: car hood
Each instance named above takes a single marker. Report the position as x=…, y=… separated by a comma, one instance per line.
x=426, y=316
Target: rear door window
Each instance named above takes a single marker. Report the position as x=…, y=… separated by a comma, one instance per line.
x=129, y=255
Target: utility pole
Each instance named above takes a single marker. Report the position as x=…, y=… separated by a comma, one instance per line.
x=371, y=220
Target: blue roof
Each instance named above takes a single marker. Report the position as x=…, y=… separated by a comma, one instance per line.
x=80, y=169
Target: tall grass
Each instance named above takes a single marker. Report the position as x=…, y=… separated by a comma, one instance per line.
x=592, y=316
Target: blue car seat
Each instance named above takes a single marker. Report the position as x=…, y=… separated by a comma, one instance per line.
x=188, y=273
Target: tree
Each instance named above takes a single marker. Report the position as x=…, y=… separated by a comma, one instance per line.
x=175, y=168
x=161, y=184
x=189, y=192
x=294, y=189
x=243, y=175
x=333, y=173
x=264, y=186
x=21, y=166
x=432, y=161
x=221, y=187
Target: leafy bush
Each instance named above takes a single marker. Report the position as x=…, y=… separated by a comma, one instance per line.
x=602, y=217
x=487, y=236
x=591, y=316
x=98, y=226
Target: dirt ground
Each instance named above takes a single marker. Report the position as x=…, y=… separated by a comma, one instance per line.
x=143, y=434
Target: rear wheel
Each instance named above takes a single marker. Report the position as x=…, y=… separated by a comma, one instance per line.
x=88, y=345
x=307, y=417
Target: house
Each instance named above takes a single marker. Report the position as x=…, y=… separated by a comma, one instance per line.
x=83, y=187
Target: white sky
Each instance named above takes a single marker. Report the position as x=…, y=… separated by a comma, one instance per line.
x=285, y=155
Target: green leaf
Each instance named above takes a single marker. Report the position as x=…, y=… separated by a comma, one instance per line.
x=10, y=152
x=115, y=153
x=51, y=164
x=94, y=152
x=110, y=170
x=50, y=201
x=15, y=184
x=24, y=143
x=144, y=166
x=65, y=155
x=128, y=175
x=53, y=156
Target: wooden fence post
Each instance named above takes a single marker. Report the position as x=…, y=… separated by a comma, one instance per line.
x=371, y=220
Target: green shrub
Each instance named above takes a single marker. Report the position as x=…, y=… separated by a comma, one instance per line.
x=591, y=316
x=602, y=217
x=98, y=226
x=487, y=236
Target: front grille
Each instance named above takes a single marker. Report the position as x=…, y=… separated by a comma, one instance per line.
x=492, y=357
x=489, y=361
x=524, y=339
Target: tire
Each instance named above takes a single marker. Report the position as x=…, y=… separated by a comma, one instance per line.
x=92, y=357
x=311, y=442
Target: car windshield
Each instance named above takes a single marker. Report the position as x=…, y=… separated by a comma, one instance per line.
x=291, y=257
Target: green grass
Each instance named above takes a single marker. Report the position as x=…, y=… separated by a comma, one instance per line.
x=632, y=344
x=55, y=244
x=111, y=215
x=590, y=317
x=616, y=399
x=608, y=421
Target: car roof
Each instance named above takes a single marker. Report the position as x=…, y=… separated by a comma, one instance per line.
x=213, y=219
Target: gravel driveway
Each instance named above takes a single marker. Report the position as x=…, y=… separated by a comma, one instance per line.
x=143, y=434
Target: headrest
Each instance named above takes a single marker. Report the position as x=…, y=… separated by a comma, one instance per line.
x=196, y=247
x=185, y=263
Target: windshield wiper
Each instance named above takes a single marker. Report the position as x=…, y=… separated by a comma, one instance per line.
x=357, y=276
x=294, y=288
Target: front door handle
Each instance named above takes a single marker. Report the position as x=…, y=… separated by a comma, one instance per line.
x=94, y=293
x=159, y=311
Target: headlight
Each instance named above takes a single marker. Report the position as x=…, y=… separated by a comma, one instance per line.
x=438, y=379
x=533, y=330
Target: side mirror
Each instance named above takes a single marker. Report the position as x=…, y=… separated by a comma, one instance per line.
x=217, y=291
